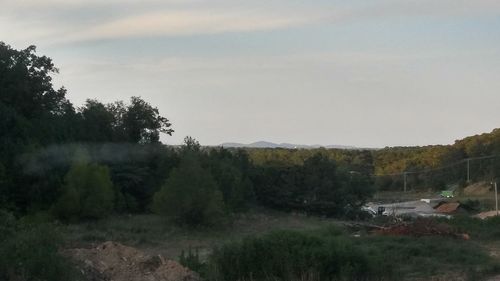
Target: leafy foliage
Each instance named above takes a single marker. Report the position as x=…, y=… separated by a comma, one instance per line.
x=35, y=116
x=30, y=252
x=329, y=254
x=87, y=193
x=316, y=187
x=191, y=260
x=231, y=173
x=436, y=166
x=288, y=255
x=190, y=195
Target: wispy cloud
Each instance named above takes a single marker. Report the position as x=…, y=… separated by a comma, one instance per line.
x=63, y=21
x=171, y=18
x=175, y=23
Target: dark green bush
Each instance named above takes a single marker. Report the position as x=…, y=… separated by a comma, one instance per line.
x=190, y=196
x=471, y=205
x=88, y=193
x=330, y=254
x=288, y=255
x=191, y=260
x=30, y=252
x=488, y=229
x=430, y=256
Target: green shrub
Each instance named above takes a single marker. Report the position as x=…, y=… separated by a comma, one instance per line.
x=30, y=252
x=429, y=256
x=488, y=229
x=288, y=255
x=87, y=193
x=191, y=260
x=330, y=254
x=471, y=205
x=190, y=195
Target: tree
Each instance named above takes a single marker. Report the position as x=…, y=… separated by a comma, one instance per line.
x=142, y=123
x=316, y=187
x=26, y=82
x=87, y=192
x=230, y=171
x=97, y=123
x=191, y=145
x=190, y=195
x=34, y=115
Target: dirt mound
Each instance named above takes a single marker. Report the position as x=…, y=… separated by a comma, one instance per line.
x=448, y=208
x=485, y=215
x=480, y=188
x=116, y=262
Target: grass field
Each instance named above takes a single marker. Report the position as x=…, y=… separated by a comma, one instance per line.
x=153, y=235
x=410, y=258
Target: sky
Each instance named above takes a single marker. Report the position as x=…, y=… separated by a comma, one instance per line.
x=370, y=73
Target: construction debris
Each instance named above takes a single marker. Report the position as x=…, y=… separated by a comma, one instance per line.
x=114, y=261
x=422, y=227
x=407, y=208
x=448, y=207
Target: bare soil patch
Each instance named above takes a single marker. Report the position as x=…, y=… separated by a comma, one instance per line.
x=117, y=262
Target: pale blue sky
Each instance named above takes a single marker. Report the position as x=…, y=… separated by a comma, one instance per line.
x=365, y=73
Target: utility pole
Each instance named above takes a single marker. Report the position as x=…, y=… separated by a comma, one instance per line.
x=404, y=176
x=496, y=198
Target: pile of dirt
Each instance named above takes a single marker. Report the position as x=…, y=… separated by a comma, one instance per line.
x=447, y=207
x=485, y=215
x=116, y=262
x=480, y=188
x=422, y=227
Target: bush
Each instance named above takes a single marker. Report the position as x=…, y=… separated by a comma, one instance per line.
x=424, y=257
x=191, y=260
x=190, y=195
x=471, y=205
x=288, y=255
x=488, y=229
x=329, y=254
x=30, y=252
x=87, y=194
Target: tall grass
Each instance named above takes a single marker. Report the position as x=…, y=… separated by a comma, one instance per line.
x=290, y=255
x=488, y=229
x=332, y=255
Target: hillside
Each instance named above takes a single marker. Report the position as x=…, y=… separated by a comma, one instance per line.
x=266, y=144
x=427, y=166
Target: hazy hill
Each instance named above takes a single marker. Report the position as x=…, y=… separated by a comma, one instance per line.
x=266, y=144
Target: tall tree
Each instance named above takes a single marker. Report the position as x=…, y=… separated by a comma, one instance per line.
x=142, y=122
x=26, y=83
x=97, y=123
x=190, y=195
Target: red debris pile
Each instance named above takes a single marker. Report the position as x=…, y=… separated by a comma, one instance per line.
x=422, y=227
x=448, y=208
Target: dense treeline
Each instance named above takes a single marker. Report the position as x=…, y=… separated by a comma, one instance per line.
x=316, y=187
x=429, y=166
x=35, y=117
x=80, y=163
x=87, y=162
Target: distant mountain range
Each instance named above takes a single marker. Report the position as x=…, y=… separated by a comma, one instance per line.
x=266, y=144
